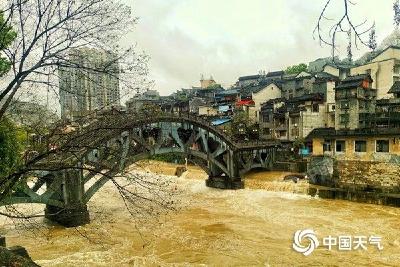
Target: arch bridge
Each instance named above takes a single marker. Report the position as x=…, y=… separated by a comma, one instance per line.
x=68, y=176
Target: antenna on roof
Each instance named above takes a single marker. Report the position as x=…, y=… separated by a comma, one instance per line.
x=202, y=77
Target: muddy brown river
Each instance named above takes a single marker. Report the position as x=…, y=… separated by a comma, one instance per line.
x=210, y=227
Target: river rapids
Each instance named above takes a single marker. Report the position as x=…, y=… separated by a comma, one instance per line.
x=210, y=227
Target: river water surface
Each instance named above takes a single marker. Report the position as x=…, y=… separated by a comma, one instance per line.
x=250, y=227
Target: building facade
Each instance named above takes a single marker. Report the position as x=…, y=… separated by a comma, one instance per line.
x=89, y=83
x=384, y=70
x=355, y=102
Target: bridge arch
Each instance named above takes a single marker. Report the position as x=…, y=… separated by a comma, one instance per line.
x=112, y=143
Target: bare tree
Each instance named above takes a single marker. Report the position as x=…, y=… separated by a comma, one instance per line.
x=50, y=34
x=396, y=9
x=372, y=39
x=145, y=196
x=48, y=31
x=343, y=24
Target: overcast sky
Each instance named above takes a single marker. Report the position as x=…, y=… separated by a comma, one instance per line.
x=232, y=38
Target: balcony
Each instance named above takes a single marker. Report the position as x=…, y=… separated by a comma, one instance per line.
x=393, y=116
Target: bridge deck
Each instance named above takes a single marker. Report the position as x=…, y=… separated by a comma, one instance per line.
x=70, y=147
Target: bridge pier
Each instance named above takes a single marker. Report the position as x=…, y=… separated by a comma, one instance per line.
x=71, y=192
x=71, y=216
x=224, y=182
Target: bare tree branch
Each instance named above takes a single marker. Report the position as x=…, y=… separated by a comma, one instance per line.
x=48, y=31
x=344, y=24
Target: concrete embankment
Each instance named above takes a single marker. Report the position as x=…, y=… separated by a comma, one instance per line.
x=361, y=181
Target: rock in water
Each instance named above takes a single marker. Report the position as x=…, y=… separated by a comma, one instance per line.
x=9, y=258
x=180, y=170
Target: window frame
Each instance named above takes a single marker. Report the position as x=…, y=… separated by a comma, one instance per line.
x=336, y=146
x=355, y=146
x=388, y=145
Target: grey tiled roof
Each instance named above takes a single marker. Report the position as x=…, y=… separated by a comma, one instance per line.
x=395, y=89
x=353, y=81
x=332, y=133
x=275, y=73
x=250, y=77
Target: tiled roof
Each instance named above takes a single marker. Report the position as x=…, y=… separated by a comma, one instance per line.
x=353, y=81
x=378, y=54
x=248, y=90
x=220, y=121
x=275, y=73
x=332, y=133
x=307, y=97
x=324, y=75
x=340, y=66
x=359, y=77
x=395, y=89
x=228, y=92
x=250, y=77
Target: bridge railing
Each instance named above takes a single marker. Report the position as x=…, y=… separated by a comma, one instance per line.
x=124, y=119
x=201, y=121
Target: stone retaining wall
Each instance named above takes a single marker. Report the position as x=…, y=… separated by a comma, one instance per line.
x=361, y=181
x=367, y=175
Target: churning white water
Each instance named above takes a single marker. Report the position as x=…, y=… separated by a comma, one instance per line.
x=210, y=227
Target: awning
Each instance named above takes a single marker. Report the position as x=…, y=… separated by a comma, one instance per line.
x=245, y=103
x=218, y=122
x=223, y=108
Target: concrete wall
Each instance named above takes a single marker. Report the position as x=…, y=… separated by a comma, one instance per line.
x=207, y=110
x=331, y=70
x=352, y=111
x=389, y=53
x=307, y=121
x=381, y=74
x=355, y=175
x=366, y=175
x=269, y=92
x=311, y=120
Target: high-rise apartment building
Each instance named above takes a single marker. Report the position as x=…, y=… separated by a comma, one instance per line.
x=90, y=82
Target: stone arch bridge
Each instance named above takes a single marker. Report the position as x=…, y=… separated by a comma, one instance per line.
x=110, y=143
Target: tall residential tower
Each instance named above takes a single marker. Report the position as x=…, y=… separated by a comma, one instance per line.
x=90, y=82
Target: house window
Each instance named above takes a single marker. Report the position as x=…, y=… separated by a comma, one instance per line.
x=315, y=108
x=396, y=69
x=327, y=146
x=340, y=146
x=344, y=105
x=295, y=132
x=360, y=146
x=382, y=146
x=362, y=104
x=344, y=118
x=266, y=131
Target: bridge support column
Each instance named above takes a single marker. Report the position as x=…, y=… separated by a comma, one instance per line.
x=75, y=212
x=231, y=180
x=218, y=179
x=225, y=182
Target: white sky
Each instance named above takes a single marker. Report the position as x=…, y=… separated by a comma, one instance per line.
x=232, y=38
